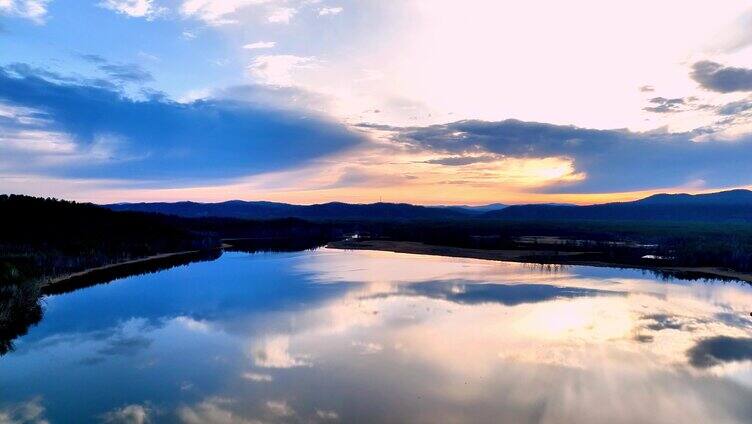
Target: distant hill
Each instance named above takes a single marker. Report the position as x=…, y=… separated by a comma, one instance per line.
x=732, y=205
x=271, y=210
x=474, y=210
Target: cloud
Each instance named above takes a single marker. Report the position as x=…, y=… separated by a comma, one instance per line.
x=611, y=160
x=260, y=45
x=275, y=96
x=29, y=412
x=134, y=8
x=735, y=108
x=504, y=294
x=647, y=89
x=215, y=12
x=355, y=177
x=463, y=160
x=275, y=353
x=126, y=72
x=664, y=105
x=125, y=346
x=98, y=132
x=325, y=11
x=723, y=79
x=33, y=10
x=717, y=350
x=281, y=15
x=279, y=69
x=93, y=58
x=120, y=72
x=280, y=408
x=368, y=348
x=738, y=35
x=130, y=414
x=213, y=410
x=259, y=378
x=327, y=415
x=660, y=322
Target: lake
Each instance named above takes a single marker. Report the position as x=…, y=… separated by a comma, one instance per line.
x=360, y=336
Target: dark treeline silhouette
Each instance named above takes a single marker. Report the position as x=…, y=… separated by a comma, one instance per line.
x=45, y=238
x=687, y=244
x=42, y=238
x=254, y=245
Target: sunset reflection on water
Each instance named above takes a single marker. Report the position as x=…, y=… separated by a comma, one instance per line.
x=329, y=335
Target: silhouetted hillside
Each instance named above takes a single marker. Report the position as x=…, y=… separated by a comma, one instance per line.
x=730, y=197
x=271, y=210
x=734, y=205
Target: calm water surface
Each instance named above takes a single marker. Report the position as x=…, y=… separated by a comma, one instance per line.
x=335, y=336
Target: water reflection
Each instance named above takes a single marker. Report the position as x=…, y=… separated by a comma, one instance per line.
x=329, y=336
x=19, y=309
x=472, y=292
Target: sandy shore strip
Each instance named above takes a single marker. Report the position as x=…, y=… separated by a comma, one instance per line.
x=563, y=258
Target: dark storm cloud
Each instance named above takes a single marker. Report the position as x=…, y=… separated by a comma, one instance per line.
x=613, y=160
x=119, y=137
x=720, y=349
x=723, y=79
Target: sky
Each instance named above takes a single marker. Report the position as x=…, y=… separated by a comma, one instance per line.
x=418, y=101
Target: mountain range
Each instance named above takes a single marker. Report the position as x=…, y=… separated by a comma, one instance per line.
x=271, y=210
x=732, y=205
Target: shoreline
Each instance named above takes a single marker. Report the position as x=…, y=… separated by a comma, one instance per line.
x=525, y=256
x=521, y=256
x=50, y=283
x=111, y=267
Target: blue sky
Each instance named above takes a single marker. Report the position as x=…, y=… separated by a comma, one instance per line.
x=419, y=101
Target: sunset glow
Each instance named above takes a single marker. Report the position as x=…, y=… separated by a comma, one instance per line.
x=427, y=102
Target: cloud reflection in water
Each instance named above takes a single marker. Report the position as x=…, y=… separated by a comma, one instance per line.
x=383, y=337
